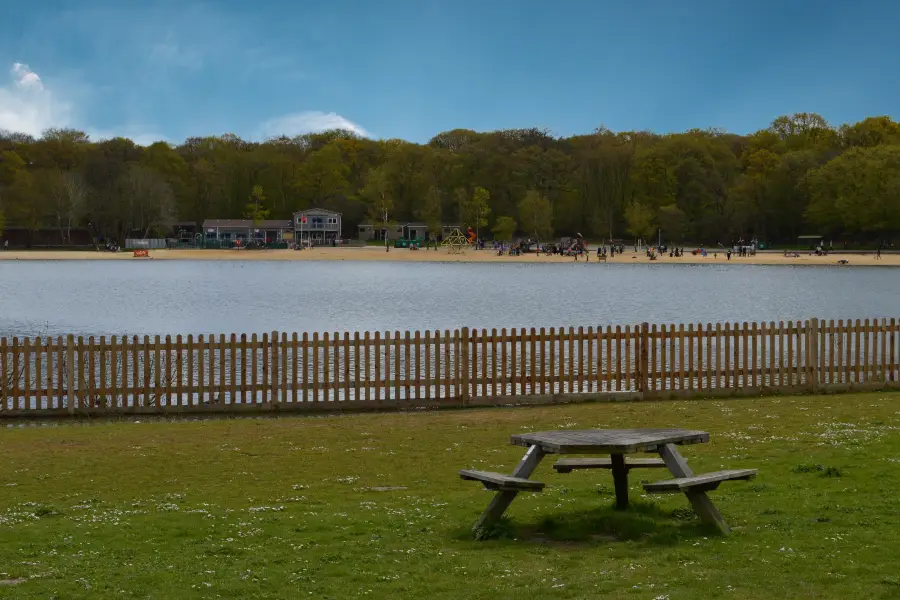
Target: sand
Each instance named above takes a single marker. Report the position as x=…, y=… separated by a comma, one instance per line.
x=399, y=254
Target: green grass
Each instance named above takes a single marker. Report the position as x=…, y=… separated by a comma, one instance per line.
x=371, y=506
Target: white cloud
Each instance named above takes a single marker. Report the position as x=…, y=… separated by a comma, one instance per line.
x=25, y=77
x=310, y=121
x=27, y=106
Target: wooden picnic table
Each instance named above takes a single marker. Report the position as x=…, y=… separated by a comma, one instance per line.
x=617, y=443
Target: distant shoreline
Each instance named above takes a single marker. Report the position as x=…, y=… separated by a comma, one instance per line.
x=375, y=253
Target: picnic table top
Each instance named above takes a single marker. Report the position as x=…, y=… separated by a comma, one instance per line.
x=607, y=441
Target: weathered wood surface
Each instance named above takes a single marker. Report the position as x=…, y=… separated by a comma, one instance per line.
x=567, y=465
x=608, y=441
x=501, y=482
x=501, y=500
x=701, y=503
x=700, y=481
x=339, y=372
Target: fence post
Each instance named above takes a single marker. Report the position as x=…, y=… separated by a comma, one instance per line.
x=70, y=373
x=273, y=368
x=812, y=355
x=644, y=359
x=464, y=364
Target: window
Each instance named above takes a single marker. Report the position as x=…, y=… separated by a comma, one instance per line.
x=332, y=220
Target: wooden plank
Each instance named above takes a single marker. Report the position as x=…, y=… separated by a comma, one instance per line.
x=745, y=355
x=39, y=384
x=701, y=503
x=791, y=355
x=664, y=367
x=542, y=344
x=157, y=366
x=102, y=393
x=283, y=355
x=832, y=352
x=4, y=376
x=618, y=377
x=442, y=364
x=60, y=373
x=26, y=376
x=356, y=370
x=398, y=370
x=609, y=362
x=728, y=367
x=91, y=376
x=517, y=361
x=72, y=368
x=502, y=500
x=416, y=361
x=551, y=346
x=822, y=366
x=881, y=329
x=567, y=465
x=449, y=373
x=571, y=361
x=305, y=366
x=629, y=373
x=532, y=373
x=857, y=366
x=591, y=380
x=582, y=343
x=865, y=377
x=681, y=370
x=654, y=364
x=704, y=479
x=189, y=356
x=500, y=387
x=499, y=481
x=314, y=392
x=838, y=333
x=892, y=342
x=754, y=336
x=179, y=371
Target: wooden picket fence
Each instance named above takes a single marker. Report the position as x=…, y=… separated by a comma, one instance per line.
x=313, y=372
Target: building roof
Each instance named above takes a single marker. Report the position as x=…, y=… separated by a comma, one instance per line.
x=247, y=223
x=399, y=225
x=316, y=210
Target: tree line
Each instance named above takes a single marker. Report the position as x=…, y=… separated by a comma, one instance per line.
x=800, y=175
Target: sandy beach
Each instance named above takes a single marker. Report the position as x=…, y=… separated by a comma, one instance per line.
x=397, y=254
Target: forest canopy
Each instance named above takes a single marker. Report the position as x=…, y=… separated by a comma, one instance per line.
x=798, y=176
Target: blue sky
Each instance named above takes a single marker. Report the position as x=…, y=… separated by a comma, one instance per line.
x=412, y=68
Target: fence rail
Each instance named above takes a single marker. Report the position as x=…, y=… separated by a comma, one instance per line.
x=71, y=376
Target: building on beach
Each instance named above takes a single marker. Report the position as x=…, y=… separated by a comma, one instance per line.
x=375, y=232
x=317, y=226
x=231, y=230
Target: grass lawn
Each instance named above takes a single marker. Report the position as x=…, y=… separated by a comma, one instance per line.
x=371, y=505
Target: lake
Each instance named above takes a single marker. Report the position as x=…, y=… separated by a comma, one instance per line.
x=172, y=297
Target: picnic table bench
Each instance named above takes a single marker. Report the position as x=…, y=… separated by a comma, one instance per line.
x=616, y=443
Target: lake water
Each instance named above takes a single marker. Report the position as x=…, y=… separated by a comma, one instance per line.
x=180, y=297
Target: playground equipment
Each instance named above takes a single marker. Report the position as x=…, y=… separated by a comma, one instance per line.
x=455, y=243
x=471, y=238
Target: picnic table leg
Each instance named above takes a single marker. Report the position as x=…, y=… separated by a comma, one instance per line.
x=620, y=480
x=502, y=500
x=703, y=506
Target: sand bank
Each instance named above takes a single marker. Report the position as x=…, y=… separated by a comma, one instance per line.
x=372, y=253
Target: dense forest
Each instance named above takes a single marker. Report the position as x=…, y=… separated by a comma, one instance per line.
x=798, y=176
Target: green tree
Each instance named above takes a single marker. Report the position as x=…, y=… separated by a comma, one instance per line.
x=377, y=195
x=431, y=211
x=639, y=217
x=322, y=176
x=256, y=208
x=504, y=228
x=536, y=215
x=475, y=209
x=672, y=221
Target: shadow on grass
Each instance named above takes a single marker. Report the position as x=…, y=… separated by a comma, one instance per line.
x=642, y=522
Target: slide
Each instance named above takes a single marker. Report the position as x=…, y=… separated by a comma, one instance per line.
x=470, y=236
